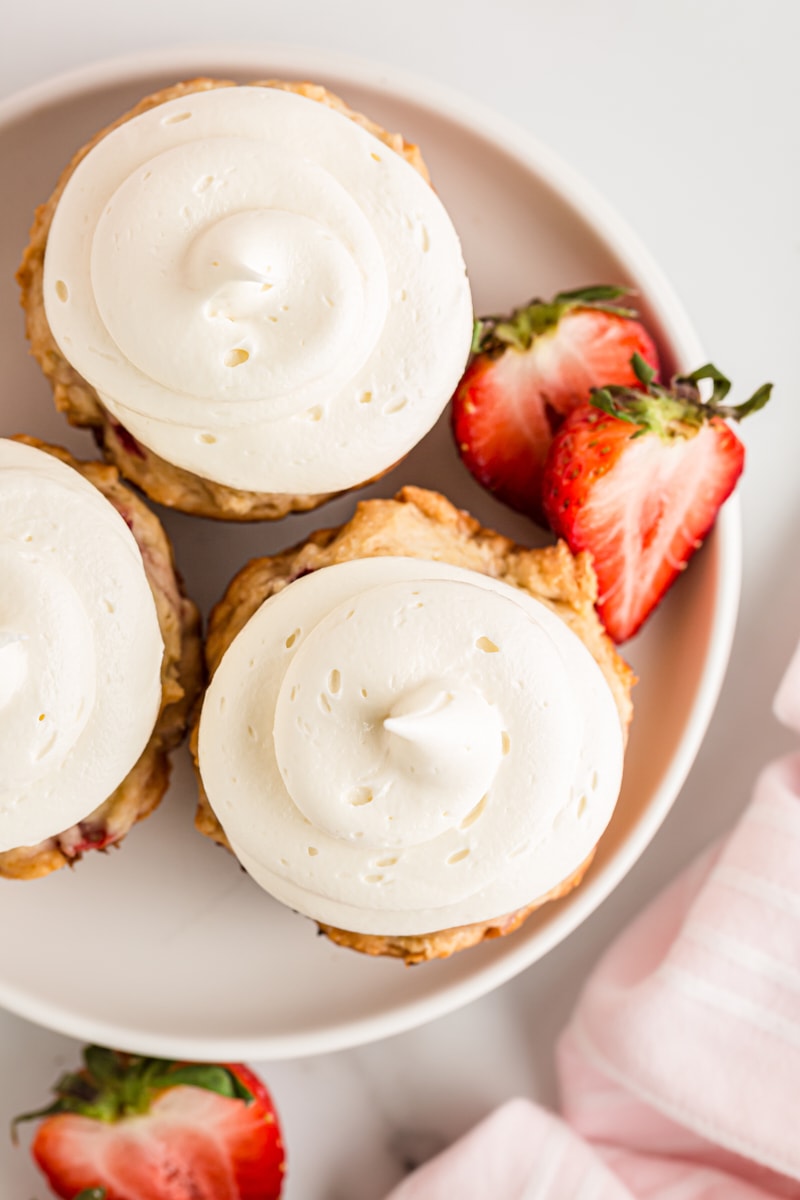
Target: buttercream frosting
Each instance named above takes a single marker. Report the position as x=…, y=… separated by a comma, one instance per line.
x=396, y=746
x=259, y=290
x=80, y=647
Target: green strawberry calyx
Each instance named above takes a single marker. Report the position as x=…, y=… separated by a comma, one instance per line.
x=677, y=410
x=113, y=1085
x=493, y=335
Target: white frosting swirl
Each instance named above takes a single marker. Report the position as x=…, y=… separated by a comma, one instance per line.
x=80, y=647
x=395, y=746
x=260, y=291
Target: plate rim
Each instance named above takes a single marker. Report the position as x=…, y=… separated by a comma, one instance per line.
x=538, y=159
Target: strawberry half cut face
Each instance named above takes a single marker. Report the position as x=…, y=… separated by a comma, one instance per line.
x=528, y=372
x=636, y=479
x=126, y=1127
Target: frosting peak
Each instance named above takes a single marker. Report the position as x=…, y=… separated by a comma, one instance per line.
x=354, y=709
x=448, y=743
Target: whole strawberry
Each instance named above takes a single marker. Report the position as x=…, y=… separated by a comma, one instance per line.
x=637, y=477
x=530, y=369
x=131, y=1128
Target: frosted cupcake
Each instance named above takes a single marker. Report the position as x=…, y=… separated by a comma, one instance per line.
x=100, y=658
x=251, y=294
x=414, y=729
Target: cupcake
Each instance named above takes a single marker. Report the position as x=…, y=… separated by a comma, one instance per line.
x=100, y=658
x=414, y=728
x=252, y=294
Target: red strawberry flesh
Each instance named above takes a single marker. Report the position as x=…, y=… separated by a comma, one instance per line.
x=527, y=374
x=148, y=1129
x=191, y=1145
x=646, y=516
x=638, y=482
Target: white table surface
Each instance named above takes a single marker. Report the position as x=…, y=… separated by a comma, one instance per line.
x=684, y=114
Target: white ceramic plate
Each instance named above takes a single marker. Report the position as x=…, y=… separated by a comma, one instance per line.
x=166, y=947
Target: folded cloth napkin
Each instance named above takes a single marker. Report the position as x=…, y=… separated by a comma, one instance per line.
x=680, y=1067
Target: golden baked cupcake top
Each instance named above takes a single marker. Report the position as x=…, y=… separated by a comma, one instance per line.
x=398, y=745
x=255, y=290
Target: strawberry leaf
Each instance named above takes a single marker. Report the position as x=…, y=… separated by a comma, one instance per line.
x=643, y=371
x=242, y=1091
x=722, y=385
x=209, y=1076
x=608, y=402
x=74, y=1094
x=721, y=389
x=493, y=335
x=50, y=1111
x=98, y=1193
x=677, y=411
x=599, y=297
x=597, y=291
x=104, y=1066
x=758, y=399
x=115, y=1085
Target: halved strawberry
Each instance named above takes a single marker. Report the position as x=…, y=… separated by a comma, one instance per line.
x=131, y=1128
x=637, y=477
x=530, y=369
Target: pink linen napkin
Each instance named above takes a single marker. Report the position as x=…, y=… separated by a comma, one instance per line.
x=680, y=1067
